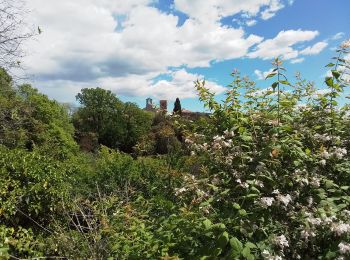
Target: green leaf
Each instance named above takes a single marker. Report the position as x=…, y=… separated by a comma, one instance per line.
x=335, y=74
x=270, y=75
x=329, y=81
x=236, y=245
x=217, y=251
x=285, y=82
x=236, y=206
x=242, y=212
x=274, y=85
x=222, y=240
x=330, y=65
x=207, y=223
x=246, y=253
x=250, y=245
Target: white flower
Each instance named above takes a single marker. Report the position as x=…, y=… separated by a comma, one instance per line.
x=315, y=221
x=315, y=182
x=178, y=191
x=323, y=162
x=346, y=212
x=325, y=155
x=188, y=141
x=266, y=201
x=306, y=234
x=227, y=144
x=281, y=241
x=265, y=253
x=310, y=201
x=329, y=220
x=229, y=133
x=276, y=192
x=340, y=228
x=345, y=44
x=323, y=138
x=339, y=153
x=344, y=248
x=244, y=185
x=217, y=138
x=259, y=183
x=284, y=199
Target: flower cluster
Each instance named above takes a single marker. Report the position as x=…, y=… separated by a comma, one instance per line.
x=281, y=241
x=344, y=248
x=336, y=152
x=345, y=44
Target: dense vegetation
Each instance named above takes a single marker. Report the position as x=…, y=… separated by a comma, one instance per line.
x=265, y=176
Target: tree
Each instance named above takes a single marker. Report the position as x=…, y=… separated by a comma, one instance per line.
x=13, y=32
x=177, y=106
x=117, y=125
x=137, y=124
x=31, y=120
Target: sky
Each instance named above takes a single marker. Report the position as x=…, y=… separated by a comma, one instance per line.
x=158, y=48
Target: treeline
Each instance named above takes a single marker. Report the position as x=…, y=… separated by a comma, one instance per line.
x=30, y=119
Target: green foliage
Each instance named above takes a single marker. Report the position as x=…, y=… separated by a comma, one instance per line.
x=31, y=185
x=162, y=138
x=177, y=106
x=267, y=178
x=31, y=120
x=275, y=173
x=117, y=125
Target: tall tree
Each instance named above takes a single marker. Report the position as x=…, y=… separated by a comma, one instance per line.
x=13, y=32
x=177, y=106
x=117, y=125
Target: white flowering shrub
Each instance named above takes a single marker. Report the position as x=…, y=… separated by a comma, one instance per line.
x=277, y=168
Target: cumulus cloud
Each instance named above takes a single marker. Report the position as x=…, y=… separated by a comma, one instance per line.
x=315, y=49
x=262, y=75
x=124, y=45
x=251, y=22
x=282, y=44
x=86, y=40
x=179, y=83
x=275, y=5
x=298, y=60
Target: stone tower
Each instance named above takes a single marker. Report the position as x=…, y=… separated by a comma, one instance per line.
x=163, y=104
x=149, y=104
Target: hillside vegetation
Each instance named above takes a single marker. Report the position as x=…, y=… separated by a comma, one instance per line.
x=265, y=176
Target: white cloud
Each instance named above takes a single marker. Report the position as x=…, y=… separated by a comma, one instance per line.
x=264, y=91
x=125, y=44
x=101, y=50
x=180, y=84
x=315, y=49
x=338, y=36
x=262, y=75
x=275, y=5
x=251, y=22
x=216, y=9
x=282, y=45
x=297, y=60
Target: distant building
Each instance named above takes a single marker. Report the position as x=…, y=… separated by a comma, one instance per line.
x=163, y=104
x=193, y=115
x=149, y=105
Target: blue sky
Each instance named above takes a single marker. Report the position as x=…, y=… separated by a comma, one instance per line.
x=147, y=48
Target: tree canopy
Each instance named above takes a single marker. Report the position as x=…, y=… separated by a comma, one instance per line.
x=116, y=124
